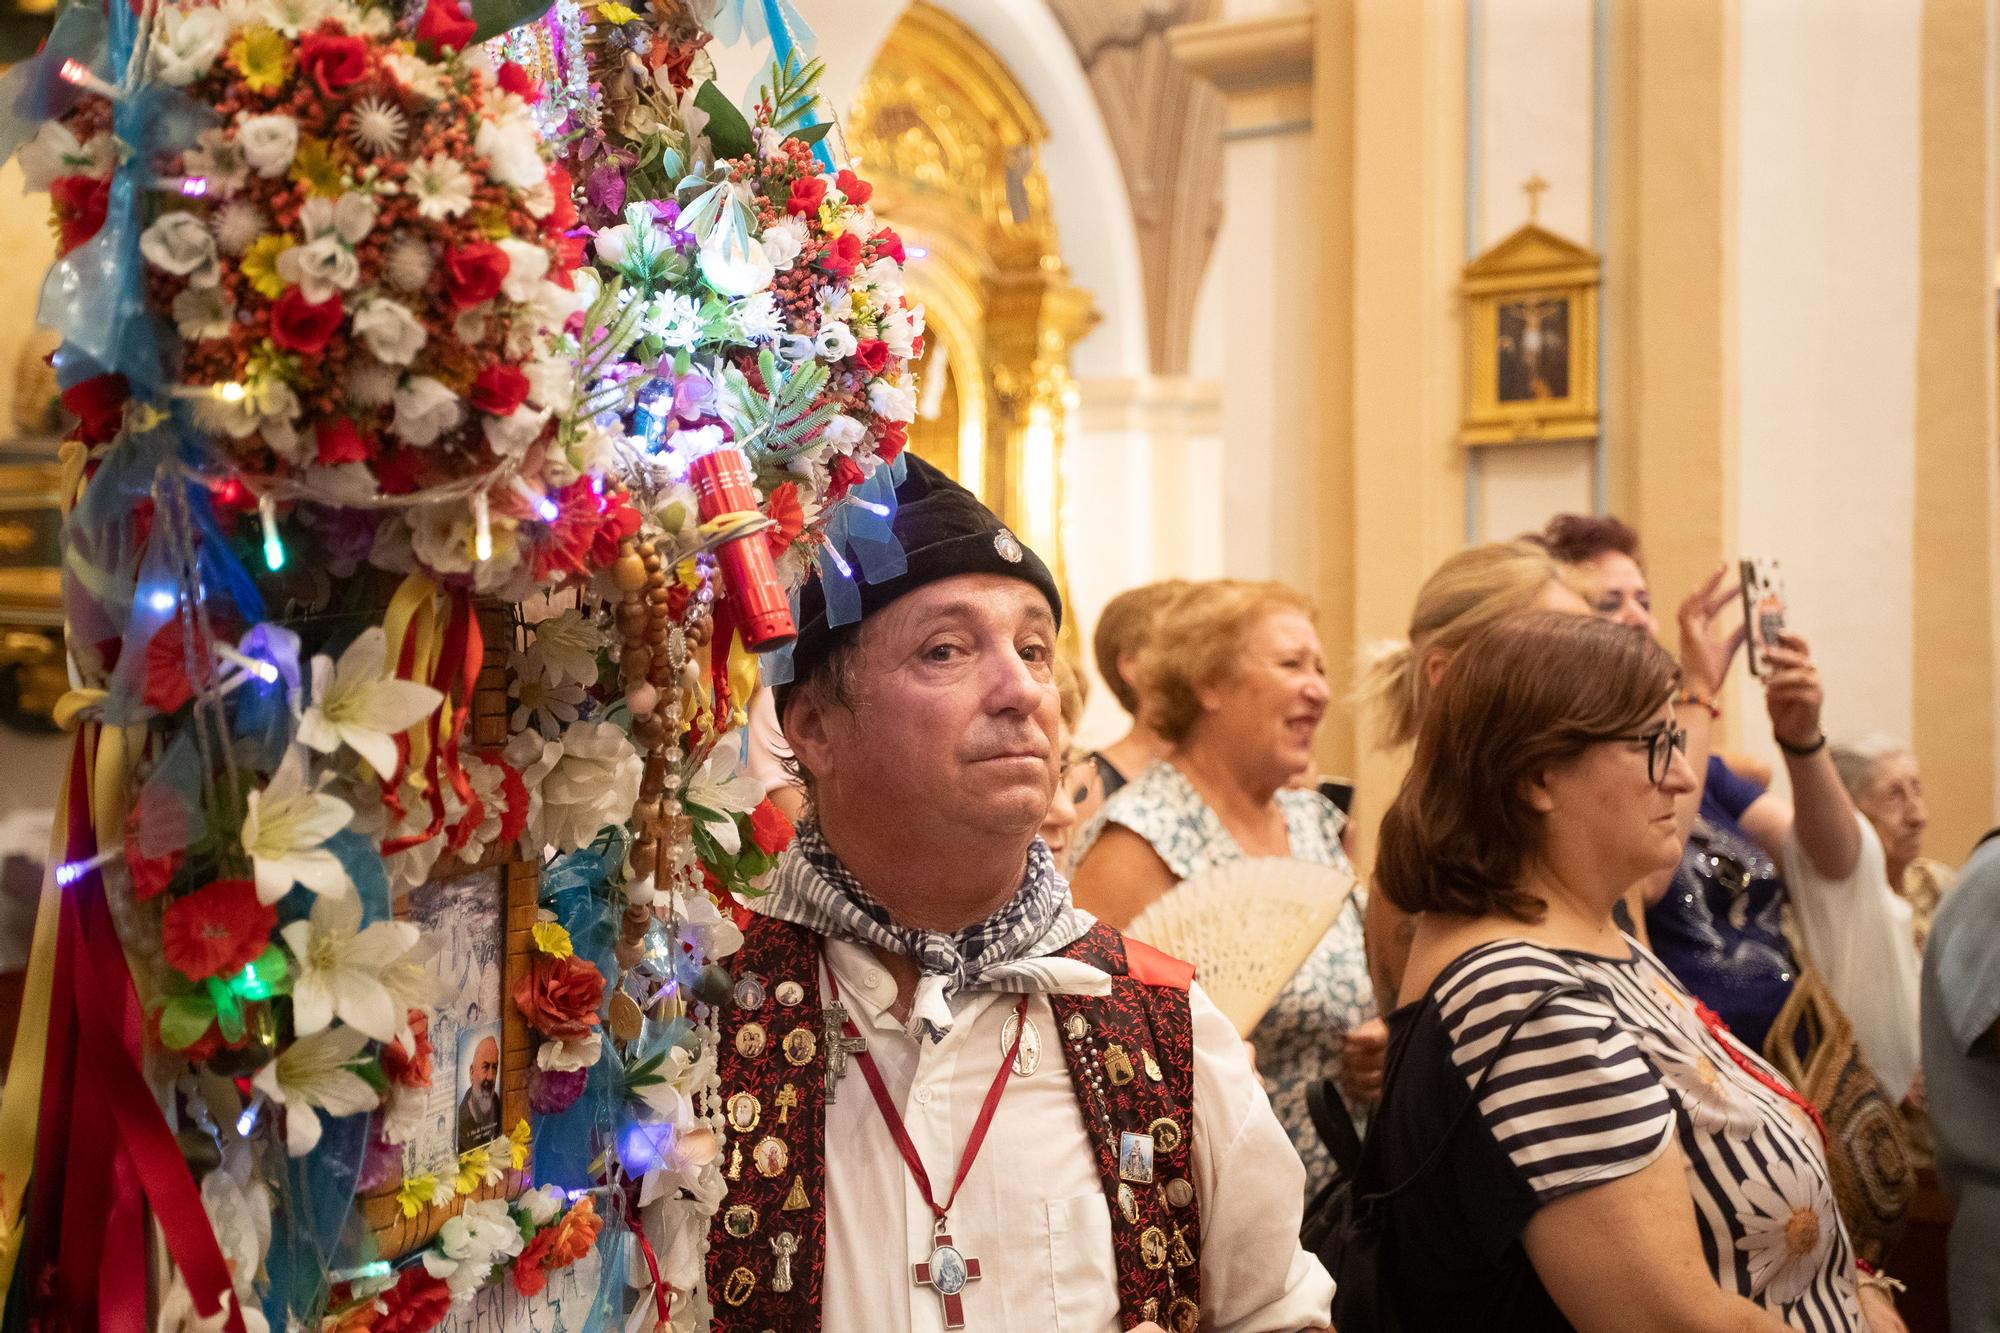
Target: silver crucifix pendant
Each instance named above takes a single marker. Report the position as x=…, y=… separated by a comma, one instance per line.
x=833, y=1020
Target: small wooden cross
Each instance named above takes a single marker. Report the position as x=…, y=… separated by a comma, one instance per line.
x=838, y=1046
x=946, y=1272
x=1534, y=186
x=788, y=1101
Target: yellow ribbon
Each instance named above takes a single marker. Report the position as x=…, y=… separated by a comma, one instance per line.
x=413, y=619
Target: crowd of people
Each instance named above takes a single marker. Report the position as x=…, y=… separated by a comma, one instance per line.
x=1627, y=1034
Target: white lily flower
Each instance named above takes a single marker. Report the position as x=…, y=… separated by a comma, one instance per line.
x=579, y=1053
x=724, y=790
x=565, y=647
x=285, y=829
x=359, y=704
x=312, y=1075
x=339, y=969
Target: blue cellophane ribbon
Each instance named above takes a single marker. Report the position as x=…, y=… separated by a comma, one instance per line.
x=863, y=537
x=608, y=1305
x=566, y=1144
x=34, y=91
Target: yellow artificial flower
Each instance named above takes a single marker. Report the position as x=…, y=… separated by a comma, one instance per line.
x=830, y=221
x=492, y=223
x=315, y=167
x=552, y=939
x=263, y=57
x=612, y=12
x=260, y=265
x=416, y=1193
x=476, y=1167
x=517, y=1145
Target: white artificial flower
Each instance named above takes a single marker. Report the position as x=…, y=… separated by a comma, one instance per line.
x=350, y=484
x=269, y=143
x=895, y=400
x=379, y=128
x=1788, y=1223
x=539, y=200
x=337, y=969
x=442, y=537
x=237, y=224
x=675, y=319
x=896, y=329
x=470, y=1244
x=418, y=75
x=360, y=705
x=735, y=264
x=370, y=384
x=512, y=150
x=489, y=787
x=321, y=269
x=552, y=383
x=408, y=265
x=425, y=410
x=510, y=436
x=563, y=1056
x=756, y=319
x=293, y=17
x=885, y=276
x=613, y=244
x=470, y=326
x=723, y=790
x=186, y=43
x=216, y=158
x=391, y=332
x=311, y=1075
x=181, y=244
x=705, y=928
x=547, y=706
x=564, y=648
x=350, y=217
x=403, y=1114
x=239, y=1212
x=835, y=341
x=533, y=756
x=285, y=829
x=527, y=265
x=201, y=313
x=55, y=151
x=541, y=1206
x=843, y=433
x=783, y=241
x=594, y=783
x=442, y=185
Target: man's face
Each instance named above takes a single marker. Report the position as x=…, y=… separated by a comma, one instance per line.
x=955, y=714
x=485, y=1065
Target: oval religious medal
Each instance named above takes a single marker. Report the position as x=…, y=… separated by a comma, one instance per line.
x=790, y=993
x=1179, y=1193
x=626, y=1020
x=1128, y=1203
x=750, y=1040
x=749, y=993
x=1029, y=1058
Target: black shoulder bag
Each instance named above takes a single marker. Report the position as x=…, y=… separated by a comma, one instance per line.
x=1344, y=1223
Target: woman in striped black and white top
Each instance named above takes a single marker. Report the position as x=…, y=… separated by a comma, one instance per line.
x=1621, y=1163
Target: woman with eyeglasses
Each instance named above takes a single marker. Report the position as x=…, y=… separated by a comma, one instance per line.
x=1568, y=1139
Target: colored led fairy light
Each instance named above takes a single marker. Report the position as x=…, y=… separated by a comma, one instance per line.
x=77, y=73
x=274, y=546
x=840, y=563
x=482, y=527
x=163, y=600
x=546, y=509
x=71, y=872
x=880, y=510
x=230, y=392
x=264, y=671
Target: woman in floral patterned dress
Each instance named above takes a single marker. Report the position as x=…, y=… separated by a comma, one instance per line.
x=1236, y=680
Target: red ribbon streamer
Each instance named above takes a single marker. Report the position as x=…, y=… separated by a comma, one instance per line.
x=456, y=677
x=660, y=1288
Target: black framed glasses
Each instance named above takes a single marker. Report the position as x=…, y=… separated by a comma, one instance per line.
x=1660, y=743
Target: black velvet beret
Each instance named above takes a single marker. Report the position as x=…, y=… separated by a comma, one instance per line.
x=945, y=532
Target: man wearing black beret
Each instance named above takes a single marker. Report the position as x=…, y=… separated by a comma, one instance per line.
x=955, y=1100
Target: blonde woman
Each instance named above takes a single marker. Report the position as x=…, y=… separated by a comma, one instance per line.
x=1124, y=628
x=1235, y=680
x=1060, y=823
x=1466, y=595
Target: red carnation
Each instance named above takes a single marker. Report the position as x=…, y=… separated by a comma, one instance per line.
x=769, y=828
x=418, y=1302
x=872, y=355
x=332, y=61
x=890, y=244
x=444, y=27
x=340, y=441
x=808, y=193
x=843, y=476
x=473, y=273
x=299, y=325
x=411, y=1069
x=98, y=404
x=216, y=930
x=559, y=996
x=513, y=79
x=895, y=435
x=167, y=685
x=842, y=255
x=515, y=793
x=529, y=1275
x=858, y=191
x=499, y=390
x=80, y=203
x=784, y=509
x=150, y=874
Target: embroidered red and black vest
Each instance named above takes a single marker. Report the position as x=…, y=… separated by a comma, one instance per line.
x=1131, y=1061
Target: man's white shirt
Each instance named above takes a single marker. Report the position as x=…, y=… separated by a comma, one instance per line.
x=1033, y=1210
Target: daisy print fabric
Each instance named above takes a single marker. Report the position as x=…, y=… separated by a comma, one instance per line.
x=1595, y=1085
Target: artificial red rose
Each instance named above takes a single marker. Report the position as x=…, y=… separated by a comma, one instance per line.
x=417, y=1303
x=332, y=61
x=411, y=1069
x=872, y=354
x=401, y=472
x=569, y=257
x=808, y=193
x=150, y=874
x=473, y=273
x=560, y=996
x=299, y=325
x=80, y=203
x=529, y=1275
x=619, y=522
x=340, y=441
x=889, y=244
x=769, y=828
x=783, y=509
x=513, y=79
x=576, y=1234
x=499, y=390
x=216, y=930
x=858, y=191
x=98, y=404
x=564, y=217
x=893, y=439
x=843, y=476
x=444, y=27
x=842, y=255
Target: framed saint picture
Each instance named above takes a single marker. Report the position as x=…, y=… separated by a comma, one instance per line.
x=1531, y=341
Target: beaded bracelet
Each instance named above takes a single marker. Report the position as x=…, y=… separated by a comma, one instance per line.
x=1704, y=700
